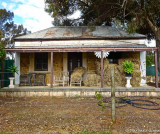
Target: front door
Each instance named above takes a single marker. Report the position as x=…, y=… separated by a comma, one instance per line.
x=74, y=60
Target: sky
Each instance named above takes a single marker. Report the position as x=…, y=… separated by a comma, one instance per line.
x=30, y=13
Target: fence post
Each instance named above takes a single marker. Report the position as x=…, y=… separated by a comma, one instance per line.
x=113, y=95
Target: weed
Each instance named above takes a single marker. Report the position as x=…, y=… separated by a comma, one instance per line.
x=77, y=96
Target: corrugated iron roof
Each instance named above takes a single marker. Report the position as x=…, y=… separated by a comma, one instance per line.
x=82, y=32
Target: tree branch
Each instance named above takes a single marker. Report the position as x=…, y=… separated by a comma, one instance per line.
x=153, y=27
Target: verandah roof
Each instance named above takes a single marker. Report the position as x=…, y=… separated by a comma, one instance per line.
x=80, y=49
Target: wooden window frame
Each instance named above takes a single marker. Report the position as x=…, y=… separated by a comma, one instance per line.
x=44, y=56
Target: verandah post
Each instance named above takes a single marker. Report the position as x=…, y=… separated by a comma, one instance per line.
x=101, y=69
x=156, y=68
x=113, y=95
x=51, y=70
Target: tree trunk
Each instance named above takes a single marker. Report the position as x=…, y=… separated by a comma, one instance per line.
x=156, y=32
x=157, y=38
x=158, y=45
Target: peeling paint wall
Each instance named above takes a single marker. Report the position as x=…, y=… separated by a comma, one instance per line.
x=17, y=63
x=143, y=67
x=79, y=43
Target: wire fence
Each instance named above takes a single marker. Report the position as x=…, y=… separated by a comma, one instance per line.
x=4, y=79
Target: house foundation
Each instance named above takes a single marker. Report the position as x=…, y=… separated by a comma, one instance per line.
x=77, y=92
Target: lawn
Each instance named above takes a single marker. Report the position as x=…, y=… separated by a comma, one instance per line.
x=52, y=115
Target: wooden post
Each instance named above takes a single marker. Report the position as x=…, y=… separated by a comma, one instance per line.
x=51, y=70
x=113, y=95
x=101, y=69
x=156, y=68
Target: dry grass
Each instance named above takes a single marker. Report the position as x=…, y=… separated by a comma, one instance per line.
x=51, y=115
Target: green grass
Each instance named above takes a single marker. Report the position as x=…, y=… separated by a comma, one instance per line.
x=5, y=133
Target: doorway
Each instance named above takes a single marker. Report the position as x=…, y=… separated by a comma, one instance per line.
x=74, y=60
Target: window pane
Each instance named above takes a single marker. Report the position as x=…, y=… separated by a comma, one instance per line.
x=41, y=61
x=45, y=66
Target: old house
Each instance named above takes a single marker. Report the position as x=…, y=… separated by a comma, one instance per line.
x=57, y=51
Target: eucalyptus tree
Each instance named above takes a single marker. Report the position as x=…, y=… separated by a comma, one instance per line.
x=8, y=29
x=142, y=16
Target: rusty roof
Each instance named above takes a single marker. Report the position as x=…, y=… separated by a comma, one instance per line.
x=82, y=32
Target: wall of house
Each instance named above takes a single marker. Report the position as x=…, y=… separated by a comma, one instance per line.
x=93, y=63
x=54, y=44
x=91, y=58
x=25, y=63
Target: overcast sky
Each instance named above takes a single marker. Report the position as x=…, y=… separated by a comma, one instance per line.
x=30, y=13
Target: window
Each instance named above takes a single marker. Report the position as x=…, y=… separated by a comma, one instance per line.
x=41, y=62
x=113, y=57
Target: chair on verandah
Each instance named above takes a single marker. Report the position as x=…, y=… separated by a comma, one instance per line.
x=25, y=79
x=61, y=78
x=76, y=76
x=39, y=79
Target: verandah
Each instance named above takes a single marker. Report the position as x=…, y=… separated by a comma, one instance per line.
x=91, y=50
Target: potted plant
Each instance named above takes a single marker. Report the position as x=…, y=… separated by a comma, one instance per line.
x=128, y=68
x=12, y=69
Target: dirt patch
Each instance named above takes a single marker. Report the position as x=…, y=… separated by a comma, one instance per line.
x=50, y=115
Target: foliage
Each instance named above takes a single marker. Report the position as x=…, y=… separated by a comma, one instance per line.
x=5, y=21
x=128, y=67
x=100, y=101
x=5, y=18
x=141, y=16
x=9, y=30
x=13, y=69
x=2, y=53
x=93, y=12
x=149, y=59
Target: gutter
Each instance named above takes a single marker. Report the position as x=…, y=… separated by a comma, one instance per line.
x=77, y=38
